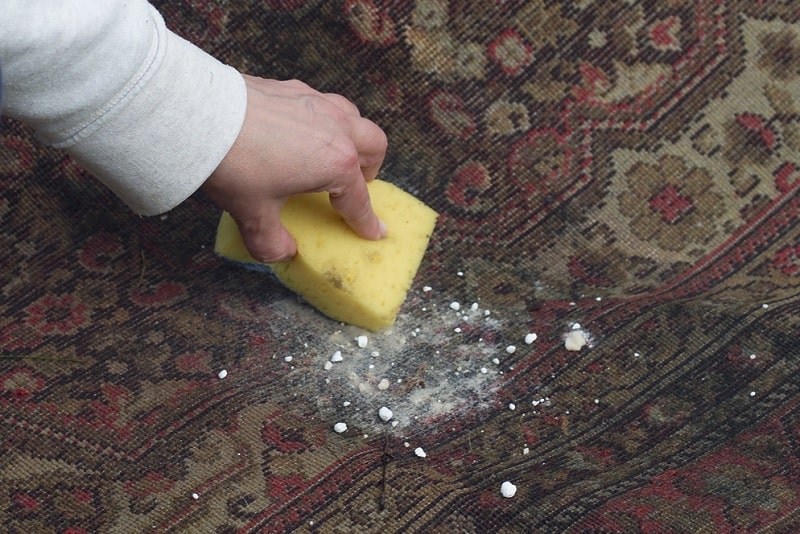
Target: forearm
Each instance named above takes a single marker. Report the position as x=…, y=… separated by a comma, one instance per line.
x=145, y=111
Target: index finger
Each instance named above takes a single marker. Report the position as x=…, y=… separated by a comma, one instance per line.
x=371, y=143
x=352, y=202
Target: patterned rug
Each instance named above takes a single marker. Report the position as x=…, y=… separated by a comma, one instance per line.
x=620, y=178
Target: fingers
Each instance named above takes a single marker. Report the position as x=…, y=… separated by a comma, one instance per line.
x=266, y=238
x=354, y=205
x=369, y=140
x=296, y=140
x=371, y=143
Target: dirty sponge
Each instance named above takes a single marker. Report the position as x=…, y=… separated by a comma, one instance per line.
x=350, y=279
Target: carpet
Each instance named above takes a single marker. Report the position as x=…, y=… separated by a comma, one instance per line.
x=618, y=178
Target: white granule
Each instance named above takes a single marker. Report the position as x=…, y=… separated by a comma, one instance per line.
x=576, y=326
x=765, y=306
x=753, y=356
x=375, y=353
x=195, y=496
x=575, y=340
x=288, y=358
x=427, y=289
x=474, y=306
x=419, y=451
x=337, y=356
x=512, y=406
x=511, y=349
x=222, y=374
x=530, y=338
x=340, y=427
x=487, y=313
x=385, y=414
x=455, y=306
x=328, y=366
x=460, y=273
x=484, y=370
x=346, y=404
x=383, y=385
x=496, y=361
x=526, y=451
x=362, y=341
x=457, y=330
x=507, y=489
x=752, y=393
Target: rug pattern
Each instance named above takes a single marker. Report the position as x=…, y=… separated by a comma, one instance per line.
x=632, y=166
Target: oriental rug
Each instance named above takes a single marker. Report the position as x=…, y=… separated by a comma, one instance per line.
x=619, y=178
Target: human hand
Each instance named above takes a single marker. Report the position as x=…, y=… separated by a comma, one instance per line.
x=297, y=140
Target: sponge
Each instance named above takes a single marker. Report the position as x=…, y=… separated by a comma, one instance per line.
x=347, y=278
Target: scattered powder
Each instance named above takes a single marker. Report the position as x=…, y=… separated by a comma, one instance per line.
x=418, y=366
x=575, y=340
x=340, y=427
x=385, y=414
x=507, y=489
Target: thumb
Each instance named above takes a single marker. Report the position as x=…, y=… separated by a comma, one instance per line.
x=266, y=239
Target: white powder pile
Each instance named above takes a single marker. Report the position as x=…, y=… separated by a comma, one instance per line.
x=576, y=339
x=438, y=359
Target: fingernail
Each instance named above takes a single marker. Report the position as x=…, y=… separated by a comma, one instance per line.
x=382, y=226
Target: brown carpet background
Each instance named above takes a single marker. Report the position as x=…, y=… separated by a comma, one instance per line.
x=631, y=166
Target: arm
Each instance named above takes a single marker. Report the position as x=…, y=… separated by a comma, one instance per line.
x=154, y=118
x=146, y=112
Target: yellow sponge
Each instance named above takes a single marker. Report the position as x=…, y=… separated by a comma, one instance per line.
x=350, y=279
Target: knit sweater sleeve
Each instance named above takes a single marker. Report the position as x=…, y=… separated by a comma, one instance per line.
x=148, y=113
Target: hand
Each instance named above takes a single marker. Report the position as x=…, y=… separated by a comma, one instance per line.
x=297, y=140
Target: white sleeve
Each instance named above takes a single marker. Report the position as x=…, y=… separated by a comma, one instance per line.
x=148, y=113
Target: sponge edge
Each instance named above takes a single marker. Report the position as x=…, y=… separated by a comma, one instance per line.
x=347, y=278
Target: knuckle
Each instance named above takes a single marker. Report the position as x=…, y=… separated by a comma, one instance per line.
x=345, y=158
x=297, y=84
